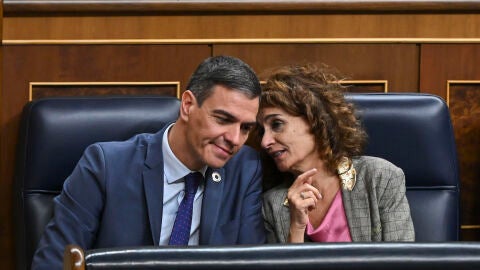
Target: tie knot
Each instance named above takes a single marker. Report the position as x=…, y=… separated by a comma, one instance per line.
x=192, y=180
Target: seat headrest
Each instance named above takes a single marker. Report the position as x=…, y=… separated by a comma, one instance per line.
x=57, y=130
x=414, y=132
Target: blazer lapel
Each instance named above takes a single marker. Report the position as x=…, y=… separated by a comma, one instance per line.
x=212, y=202
x=153, y=185
x=284, y=217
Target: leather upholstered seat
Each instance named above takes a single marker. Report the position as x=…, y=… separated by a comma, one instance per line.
x=414, y=132
x=54, y=133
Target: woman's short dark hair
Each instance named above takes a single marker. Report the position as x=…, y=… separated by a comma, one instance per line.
x=314, y=93
x=227, y=71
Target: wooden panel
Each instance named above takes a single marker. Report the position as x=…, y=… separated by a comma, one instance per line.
x=458, y=63
x=236, y=26
x=365, y=86
x=442, y=62
x=465, y=112
x=42, y=90
x=361, y=86
x=6, y=248
x=470, y=234
x=396, y=64
x=159, y=6
x=102, y=63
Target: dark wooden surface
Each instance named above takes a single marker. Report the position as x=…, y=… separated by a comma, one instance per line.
x=236, y=6
x=6, y=246
x=396, y=63
x=100, y=89
x=441, y=63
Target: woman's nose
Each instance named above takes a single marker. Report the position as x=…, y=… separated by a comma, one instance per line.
x=267, y=140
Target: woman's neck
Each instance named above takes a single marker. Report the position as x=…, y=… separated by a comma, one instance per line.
x=323, y=180
x=326, y=183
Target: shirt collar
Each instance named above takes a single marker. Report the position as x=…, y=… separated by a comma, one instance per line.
x=174, y=169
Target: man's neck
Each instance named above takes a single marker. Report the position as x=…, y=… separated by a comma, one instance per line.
x=177, y=141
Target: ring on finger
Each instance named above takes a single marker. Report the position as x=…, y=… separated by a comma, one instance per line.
x=302, y=195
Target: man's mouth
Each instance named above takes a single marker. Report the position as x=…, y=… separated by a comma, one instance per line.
x=225, y=149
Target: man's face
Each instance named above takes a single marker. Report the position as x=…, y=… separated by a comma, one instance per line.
x=218, y=128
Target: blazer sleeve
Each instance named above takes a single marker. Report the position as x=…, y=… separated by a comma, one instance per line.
x=394, y=209
x=77, y=211
x=252, y=230
x=276, y=216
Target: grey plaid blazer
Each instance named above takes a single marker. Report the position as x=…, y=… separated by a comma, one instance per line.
x=376, y=209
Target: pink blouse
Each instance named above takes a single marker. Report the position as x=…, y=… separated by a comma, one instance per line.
x=334, y=227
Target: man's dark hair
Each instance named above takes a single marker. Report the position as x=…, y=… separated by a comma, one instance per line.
x=227, y=71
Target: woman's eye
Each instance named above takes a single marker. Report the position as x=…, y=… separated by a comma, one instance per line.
x=276, y=125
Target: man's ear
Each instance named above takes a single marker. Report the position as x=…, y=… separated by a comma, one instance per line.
x=188, y=103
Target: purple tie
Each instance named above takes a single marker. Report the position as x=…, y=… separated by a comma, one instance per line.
x=183, y=222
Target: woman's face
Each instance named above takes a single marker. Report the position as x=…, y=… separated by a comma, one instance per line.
x=288, y=140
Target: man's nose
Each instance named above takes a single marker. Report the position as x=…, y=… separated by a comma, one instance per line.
x=234, y=135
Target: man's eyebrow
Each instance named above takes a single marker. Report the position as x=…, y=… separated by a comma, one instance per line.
x=231, y=117
x=225, y=114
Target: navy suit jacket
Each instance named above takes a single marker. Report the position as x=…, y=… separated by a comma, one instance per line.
x=114, y=198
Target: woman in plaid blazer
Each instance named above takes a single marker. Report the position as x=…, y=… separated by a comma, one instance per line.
x=334, y=193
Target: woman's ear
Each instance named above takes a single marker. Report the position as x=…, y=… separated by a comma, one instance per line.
x=187, y=104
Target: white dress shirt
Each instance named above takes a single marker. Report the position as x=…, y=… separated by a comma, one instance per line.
x=173, y=192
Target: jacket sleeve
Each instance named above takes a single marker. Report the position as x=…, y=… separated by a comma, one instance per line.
x=252, y=230
x=269, y=219
x=77, y=211
x=394, y=209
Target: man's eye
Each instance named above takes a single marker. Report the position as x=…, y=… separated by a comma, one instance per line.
x=222, y=120
x=247, y=128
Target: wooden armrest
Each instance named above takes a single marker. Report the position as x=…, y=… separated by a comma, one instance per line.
x=73, y=258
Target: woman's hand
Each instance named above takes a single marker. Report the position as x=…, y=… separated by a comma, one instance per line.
x=302, y=198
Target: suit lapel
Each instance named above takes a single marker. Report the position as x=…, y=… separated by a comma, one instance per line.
x=212, y=202
x=284, y=216
x=153, y=179
x=153, y=187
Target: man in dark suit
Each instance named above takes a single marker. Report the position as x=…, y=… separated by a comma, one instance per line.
x=128, y=193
